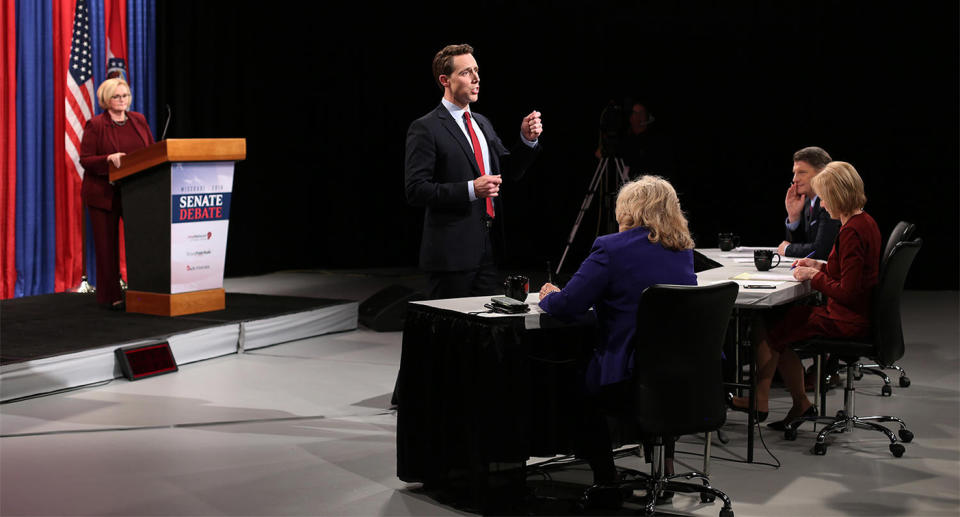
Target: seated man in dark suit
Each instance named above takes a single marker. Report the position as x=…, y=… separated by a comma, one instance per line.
x=810, y=229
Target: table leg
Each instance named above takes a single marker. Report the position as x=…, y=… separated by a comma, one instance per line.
x=738, y=321
x=708, y=439
x=751, y=421
x=736, y=350
x=816, y=395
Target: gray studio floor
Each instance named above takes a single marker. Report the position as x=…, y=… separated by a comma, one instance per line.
x=304, y=428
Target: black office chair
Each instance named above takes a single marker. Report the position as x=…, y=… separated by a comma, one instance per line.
x=902, y=232
x=885, y=346
x=678, y=378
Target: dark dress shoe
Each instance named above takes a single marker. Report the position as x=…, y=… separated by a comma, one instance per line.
x=792, y=422
x=761, y=415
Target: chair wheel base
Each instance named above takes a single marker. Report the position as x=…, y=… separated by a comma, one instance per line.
x=897, y=450
x=726, y=512
x=886, y=390
x=707, y=498
x=820, y=449
x=904, y=382
x=790, y=434
x=905, y=435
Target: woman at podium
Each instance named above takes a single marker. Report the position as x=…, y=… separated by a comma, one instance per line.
x=107, y=137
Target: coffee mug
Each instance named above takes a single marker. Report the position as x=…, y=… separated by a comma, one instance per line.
x=728, y=241
x=763, y=259
x=516, y=287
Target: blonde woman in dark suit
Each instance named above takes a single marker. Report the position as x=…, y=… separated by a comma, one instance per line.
x=107, y=138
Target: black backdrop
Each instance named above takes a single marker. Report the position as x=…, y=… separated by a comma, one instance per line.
x=324, y=96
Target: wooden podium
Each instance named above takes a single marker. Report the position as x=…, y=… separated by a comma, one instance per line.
x=176, y=206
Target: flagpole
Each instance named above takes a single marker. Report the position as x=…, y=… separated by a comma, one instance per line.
x=84, y=286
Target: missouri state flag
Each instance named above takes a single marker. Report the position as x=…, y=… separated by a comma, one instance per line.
x=55, y=54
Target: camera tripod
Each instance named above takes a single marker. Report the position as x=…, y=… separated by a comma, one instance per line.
x=601, y=181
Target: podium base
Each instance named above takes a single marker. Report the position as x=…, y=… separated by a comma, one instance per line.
x=161, y=304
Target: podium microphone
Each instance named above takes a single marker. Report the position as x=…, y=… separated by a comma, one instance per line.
x=167, y=125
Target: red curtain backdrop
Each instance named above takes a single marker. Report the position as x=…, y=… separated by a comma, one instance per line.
x=67, y=193
x=8, y=149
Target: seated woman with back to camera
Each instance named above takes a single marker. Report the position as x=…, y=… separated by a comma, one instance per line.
x=847, y=278
x=653, y=246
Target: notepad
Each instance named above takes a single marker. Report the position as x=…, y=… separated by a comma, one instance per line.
x=784, y=277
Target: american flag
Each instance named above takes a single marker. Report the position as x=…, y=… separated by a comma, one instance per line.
x=79, y=92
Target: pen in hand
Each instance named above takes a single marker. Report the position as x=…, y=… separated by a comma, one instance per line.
x=808, y=256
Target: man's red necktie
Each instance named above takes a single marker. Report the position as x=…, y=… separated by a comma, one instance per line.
x=478, y=154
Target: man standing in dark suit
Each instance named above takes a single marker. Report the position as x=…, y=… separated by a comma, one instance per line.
x=809, y=227
x=453, y=167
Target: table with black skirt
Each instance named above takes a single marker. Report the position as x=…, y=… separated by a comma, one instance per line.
x=480, y=394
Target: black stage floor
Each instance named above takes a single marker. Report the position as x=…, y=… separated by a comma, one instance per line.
x=54, y=324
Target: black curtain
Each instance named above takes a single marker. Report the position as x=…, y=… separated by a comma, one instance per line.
x=324, y=96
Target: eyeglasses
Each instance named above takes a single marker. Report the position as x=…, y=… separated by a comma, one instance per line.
x=120, y=96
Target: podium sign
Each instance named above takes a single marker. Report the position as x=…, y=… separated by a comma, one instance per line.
x=176, y=209
x=200, y=204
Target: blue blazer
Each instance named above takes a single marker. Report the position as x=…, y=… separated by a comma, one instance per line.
x=611, y=280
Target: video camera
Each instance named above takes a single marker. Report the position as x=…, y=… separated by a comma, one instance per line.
x=612, y=128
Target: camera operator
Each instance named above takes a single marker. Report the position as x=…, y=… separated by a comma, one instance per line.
x=641, y=146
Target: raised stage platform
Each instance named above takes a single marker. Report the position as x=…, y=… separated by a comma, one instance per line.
x=57, y=341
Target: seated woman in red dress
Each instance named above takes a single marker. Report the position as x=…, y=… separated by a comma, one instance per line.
x=847, y=278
